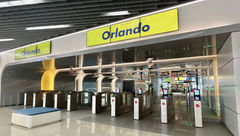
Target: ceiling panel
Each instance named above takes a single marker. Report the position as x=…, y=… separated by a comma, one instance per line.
x=81, y=14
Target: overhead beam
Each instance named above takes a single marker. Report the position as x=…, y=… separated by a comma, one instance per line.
x=142, y=63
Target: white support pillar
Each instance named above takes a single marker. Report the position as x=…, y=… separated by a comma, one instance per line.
x=113, y=62
x=215, y=72
x=99, y=82
x=99, y=61
x=114, y=80
x=80, y=78
x=81, y=75
x=209, y=91
x=99, y=70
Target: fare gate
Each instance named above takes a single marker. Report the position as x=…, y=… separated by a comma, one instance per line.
x=167, y=106
x=101, y=102
x=121, y=103
x=76, y=100
x=143, y=104
x=197, y=108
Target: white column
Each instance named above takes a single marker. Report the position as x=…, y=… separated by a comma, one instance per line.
x=215, y=72
x=114, y=80
x=80, y=78
x=99, y=82
x=99, y=71
x=81, y=75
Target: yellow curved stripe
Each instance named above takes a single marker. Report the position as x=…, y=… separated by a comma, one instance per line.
x=47, y=81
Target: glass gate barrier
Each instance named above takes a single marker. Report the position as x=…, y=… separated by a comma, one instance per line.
x=121, y=103
x=143, y=105
x=101, y=102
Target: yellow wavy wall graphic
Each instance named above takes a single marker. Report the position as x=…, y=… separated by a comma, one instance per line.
x=47, y=81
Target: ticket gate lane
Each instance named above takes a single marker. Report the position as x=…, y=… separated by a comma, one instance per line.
x=121, y=103
x=28, y=98
x=197, y=108
x=60, y=100
x=76, y=100
x=143, y=105
x=167, y=106
x=48, y=99
x=101, y=102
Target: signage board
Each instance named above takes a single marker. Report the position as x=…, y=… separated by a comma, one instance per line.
x=33, y=51
x=145, y=26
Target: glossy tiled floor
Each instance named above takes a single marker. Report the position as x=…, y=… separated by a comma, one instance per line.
x=83, y=123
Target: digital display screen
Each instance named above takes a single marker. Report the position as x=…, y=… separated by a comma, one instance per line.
x=139, y=91
x=165, y=91
x=197, y=92
x=117, y=90
x=197, y=98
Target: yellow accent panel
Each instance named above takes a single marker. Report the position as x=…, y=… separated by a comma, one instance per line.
x=94, y=37
x=45, y=48
x=34, y=50
x=47, y=82
x=48, y=77
x=18, y=54
x=161, y=22
x=30, y=49
x=49, y=64
x=125, y=30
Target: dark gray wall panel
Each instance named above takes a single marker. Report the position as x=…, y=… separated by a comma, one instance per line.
x=17, y=79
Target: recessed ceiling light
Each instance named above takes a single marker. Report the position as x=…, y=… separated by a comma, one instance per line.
x=48, y=27
x=20, y=3
x=6, y=40
x=116, y=13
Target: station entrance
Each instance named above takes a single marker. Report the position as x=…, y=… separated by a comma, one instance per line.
x=152, y=87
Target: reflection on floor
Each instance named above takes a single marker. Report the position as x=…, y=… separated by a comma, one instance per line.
x=83, y=123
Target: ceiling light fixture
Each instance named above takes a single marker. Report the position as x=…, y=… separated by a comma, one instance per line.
x=48, y=27
x=6, y=40
x=116, y=13
x=21, y=3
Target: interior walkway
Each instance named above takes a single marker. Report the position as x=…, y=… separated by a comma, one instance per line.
x=82, y=122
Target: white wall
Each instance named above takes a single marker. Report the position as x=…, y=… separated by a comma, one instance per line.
x=229, y=83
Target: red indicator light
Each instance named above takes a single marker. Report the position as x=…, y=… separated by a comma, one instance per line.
x=136, y=102
x=197, y=105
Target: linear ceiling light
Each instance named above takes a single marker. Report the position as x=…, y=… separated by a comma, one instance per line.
x=6, y=40
x=20, y=3
x=116, y=13
x=48, y=27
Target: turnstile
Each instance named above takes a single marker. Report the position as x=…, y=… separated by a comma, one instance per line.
x=197, y=108
x=77, y=100
x=121, y=103
x=143, y=105
x=48, y=99
x=28, y=98
x=60, y=99
x=38, y=98
x=167, y=108
x=101, y=102
x=71, y=100
x=34, y=98
x=84, y=98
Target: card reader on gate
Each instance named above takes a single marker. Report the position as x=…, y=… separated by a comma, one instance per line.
x=165, y=93
x=196, y=94
x=197, y=108
x=117, y=90
x=139, y=91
